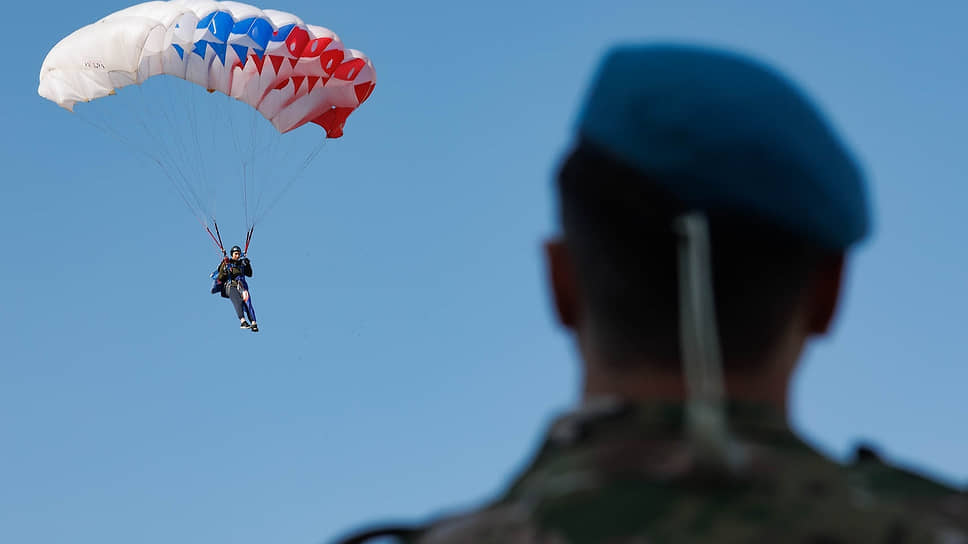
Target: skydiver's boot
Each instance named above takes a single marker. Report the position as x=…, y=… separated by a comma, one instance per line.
x=255, y=327
x=245, y=324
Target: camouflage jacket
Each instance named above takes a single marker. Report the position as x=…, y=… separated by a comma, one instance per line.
x=623, y=474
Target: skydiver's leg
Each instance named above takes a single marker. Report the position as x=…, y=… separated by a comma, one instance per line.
x=236, y=297
x=250, y=310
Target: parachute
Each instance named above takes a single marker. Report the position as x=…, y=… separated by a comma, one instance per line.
x=290, y=72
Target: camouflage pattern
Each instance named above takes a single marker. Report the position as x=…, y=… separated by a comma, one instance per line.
x=615, y=473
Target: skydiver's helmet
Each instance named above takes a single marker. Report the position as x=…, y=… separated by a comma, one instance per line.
x=235, y=249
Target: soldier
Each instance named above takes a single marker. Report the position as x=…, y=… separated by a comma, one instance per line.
x=707, y=210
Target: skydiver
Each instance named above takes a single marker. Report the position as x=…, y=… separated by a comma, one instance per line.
x=230, y=283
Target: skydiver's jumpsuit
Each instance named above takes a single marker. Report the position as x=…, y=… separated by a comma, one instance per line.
x=231, y=283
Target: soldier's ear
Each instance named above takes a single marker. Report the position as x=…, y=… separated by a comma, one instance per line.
x=561, y=277
x=824, y=296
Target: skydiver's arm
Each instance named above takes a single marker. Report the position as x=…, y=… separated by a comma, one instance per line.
x=246, y=267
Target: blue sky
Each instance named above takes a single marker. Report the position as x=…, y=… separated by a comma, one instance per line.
x=408, y=359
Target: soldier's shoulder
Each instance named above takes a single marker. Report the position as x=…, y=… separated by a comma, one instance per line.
x=801, y=499
x=918, y=493
x=497, y=523
x=384, y=534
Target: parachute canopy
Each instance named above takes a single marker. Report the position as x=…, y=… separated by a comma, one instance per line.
x=291, y=72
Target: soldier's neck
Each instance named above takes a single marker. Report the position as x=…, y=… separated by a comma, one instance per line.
x=639, y=379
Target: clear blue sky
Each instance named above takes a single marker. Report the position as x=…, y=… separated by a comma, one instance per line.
x=408, y=360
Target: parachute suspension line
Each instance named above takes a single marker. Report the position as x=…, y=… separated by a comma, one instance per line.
x=250, y=148
x=165, y=158
x=245, y=196
x=216, y=118
x=292, y=180
x=170, y=111
x=181, y=162
x=219, y=115
x=238, y=153
x=106, y=127
x=246, y=158
x=180, y=105
x=250, y=166
x=285, y=157
x=191, y=110
x=155, y=126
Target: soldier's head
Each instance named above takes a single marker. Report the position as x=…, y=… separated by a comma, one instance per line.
x=668, y=130
x=235, y=252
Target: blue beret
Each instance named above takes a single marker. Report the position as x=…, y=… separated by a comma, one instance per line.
x=726, y=134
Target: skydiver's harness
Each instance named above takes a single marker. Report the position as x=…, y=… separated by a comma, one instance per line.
x=238, y=284
x=236, y=279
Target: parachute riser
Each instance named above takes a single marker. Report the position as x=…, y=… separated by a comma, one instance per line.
x=216, y=241
x=217, y=237
x=248, y=240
